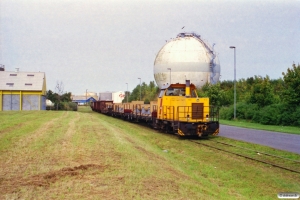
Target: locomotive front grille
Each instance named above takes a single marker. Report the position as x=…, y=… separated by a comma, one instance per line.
x=197, y=110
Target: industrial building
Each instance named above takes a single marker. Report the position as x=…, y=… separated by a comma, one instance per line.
x=116, y=97
x=88, y=97
x=22, y=90
x=84, y=98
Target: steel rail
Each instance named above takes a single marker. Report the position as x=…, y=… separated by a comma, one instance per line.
x=244, y=156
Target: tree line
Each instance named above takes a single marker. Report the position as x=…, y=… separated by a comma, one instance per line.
x=61, y=100
x=144, y=92
x=259, y=99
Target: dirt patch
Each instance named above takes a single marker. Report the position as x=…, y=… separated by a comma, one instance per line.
x=12, y=128
x=45, y=179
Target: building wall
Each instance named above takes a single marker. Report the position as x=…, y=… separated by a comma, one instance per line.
x=118, y=97
x=22, y=100
x=30, y=102
x=11, y=102
x=43, y=102
x=105, y=96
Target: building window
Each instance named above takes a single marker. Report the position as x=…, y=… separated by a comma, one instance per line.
x=13, y=74
x=28, y=84
x=10, y=84
x=30, y=74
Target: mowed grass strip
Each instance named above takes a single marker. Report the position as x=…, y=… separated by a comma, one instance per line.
x=27, y=145
x=13, y=120
x=86, y=155
x=14, y=125
x=252, y=125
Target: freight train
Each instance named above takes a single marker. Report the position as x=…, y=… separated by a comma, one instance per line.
x=178, y=110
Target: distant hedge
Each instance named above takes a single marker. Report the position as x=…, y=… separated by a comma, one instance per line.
x=64, y=106
x=275, y=114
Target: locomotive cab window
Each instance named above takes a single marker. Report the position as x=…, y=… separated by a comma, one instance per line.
x=194, y=93
x=175, y=92
x=182, y=92
x=170, y=92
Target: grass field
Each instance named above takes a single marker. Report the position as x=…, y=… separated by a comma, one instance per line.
x=86, y=155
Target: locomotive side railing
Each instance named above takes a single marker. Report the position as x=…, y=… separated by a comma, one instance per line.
x=189, y=114
x=214, y=113
x=168, y=112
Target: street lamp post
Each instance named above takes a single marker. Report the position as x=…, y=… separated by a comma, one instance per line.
x=140, y=89
x=170, y=74
x=234, y=114
x=127, y=92
x=86, y=97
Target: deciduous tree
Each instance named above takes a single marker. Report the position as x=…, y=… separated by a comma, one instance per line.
x=291, y=79
x=261, y=92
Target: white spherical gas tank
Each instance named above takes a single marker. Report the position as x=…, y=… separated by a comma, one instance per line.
x=186, y=57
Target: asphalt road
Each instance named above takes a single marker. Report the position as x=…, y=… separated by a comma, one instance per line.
x=276, y=140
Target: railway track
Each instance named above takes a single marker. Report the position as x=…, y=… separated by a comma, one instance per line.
x=262, y=157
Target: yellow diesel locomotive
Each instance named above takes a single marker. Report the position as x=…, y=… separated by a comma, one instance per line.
x=180, y=110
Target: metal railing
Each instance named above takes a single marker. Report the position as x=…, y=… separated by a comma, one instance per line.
x=190, y=114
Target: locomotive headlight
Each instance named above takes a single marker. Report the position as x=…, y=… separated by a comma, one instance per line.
x=207, y=117
x=188, y=117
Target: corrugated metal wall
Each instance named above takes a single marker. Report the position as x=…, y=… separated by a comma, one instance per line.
x=29, y=102
x=11, y=102
x=105, y=96
x=43, y=103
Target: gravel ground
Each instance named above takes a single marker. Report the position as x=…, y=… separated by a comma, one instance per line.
x=282, y=141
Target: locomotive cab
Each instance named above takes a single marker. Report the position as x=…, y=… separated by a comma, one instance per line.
x=180, y=110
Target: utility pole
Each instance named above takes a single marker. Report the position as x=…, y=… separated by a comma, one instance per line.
x=127, y=92
x=234, y=114
x=86, y=97
x=140, y=89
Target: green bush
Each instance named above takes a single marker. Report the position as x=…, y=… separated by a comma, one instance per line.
x=246, y=111
x=243, y=111
x=251, y=110
x=275, y=114
x=270, y=115
x=66, y=106
x=289, y=115
x=226, y=113
x=296, y=117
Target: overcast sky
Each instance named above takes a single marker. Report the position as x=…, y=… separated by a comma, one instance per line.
x=101, y=45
